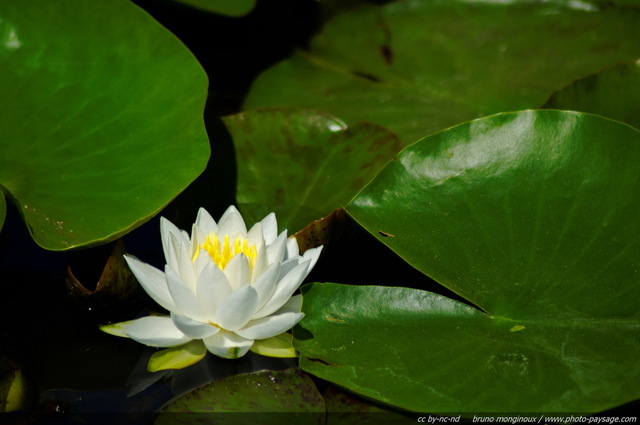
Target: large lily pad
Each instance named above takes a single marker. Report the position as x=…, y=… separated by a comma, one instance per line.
x=302, y=164
x=613, y=93
x=101, y=118
x=530, y=216
x=423, y=352
x=417, y=67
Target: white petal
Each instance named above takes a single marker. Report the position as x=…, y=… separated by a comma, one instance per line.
x=270, y=326
x=254, y=237
x=237, y=309
x=198, y=236
x=117, y=329
x=228, y=345
x=205, y=222
x=167, y=230
x=292, y=247
x=231, y=224
x=156, y=331
x=178, y=257
x=201, y=262
x=186, y=264
x=312, y=254
x=152, y=280
x=230, y=210
x=289, y=265
x=269, y=228
x=213, y=288
x=261, y=263
x=186, y=301
x=265, y=286
x=285, y=288
x=238, y=271
x=276, y=250
x=192, y=328
x=294, y=305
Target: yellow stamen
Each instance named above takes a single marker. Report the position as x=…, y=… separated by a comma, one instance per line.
x=222, y=253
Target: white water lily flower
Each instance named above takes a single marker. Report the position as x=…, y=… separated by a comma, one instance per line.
x=223, y=285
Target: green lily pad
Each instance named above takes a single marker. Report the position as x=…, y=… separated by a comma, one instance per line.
x=417, y=67
x=613, y=93
x=100, y=105
x=433, y=354
x=234, y=8
x=531, y=217
x=263, y=394
x=302, y=164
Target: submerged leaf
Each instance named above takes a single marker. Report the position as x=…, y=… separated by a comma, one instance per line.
x=16, y=390
x=301, y=164
x=288, y=392
x=324, y=231
x=613, y=93
x=116, y=282
x=417, y=66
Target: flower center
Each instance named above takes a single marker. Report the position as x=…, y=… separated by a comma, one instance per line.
x=221, y=252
